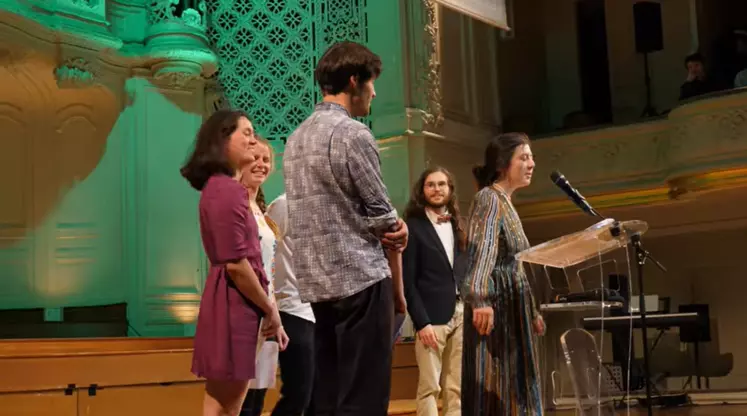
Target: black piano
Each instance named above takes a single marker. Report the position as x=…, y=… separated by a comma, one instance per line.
x=620, y=323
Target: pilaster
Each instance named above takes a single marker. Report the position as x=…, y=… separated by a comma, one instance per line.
x=129, y=22
x=404, y=34
x=422, y=66
x=165, y=260
x=406, y=108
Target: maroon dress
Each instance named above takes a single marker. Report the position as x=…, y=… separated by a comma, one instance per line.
x=225, y=341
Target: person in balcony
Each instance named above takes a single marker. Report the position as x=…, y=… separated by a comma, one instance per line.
x=500, y=368
x=697, y=82
x=235, y=294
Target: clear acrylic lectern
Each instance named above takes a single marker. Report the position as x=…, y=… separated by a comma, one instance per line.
x=583, y=250
x=572, y=254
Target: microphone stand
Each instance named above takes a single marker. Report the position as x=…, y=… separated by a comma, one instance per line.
x=641, y=256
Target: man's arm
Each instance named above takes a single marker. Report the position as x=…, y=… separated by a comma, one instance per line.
x=364, y=168
x=398, y=291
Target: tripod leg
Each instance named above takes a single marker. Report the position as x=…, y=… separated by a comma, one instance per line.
x=697, y=364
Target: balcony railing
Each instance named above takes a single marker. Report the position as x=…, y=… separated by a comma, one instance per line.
x=700, y=145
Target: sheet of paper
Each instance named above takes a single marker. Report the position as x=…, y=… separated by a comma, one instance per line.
x=267, y=366
x=399, y=324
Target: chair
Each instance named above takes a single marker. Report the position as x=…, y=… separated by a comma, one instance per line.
x=587, y=376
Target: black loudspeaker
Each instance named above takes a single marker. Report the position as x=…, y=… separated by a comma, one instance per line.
x=649, y=36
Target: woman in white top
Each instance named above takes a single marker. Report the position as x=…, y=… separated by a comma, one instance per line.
x=253, y=176
x=297, y=317
x=297, y=353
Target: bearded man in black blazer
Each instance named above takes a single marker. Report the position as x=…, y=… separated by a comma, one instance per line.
x=433, y=268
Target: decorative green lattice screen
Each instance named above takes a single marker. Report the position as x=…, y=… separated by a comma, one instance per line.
x=268, y=50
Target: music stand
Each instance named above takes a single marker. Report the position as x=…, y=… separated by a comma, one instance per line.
x=601, y=238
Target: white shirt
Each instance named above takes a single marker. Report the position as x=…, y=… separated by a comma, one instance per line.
x=445, y=234
x=268, y=245
x=286, y=285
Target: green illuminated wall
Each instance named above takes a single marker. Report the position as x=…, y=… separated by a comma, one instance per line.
x=102, y=104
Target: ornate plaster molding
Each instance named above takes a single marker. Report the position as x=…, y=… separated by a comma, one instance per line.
x=432, y=74
x=75, y=73
x=214, y=97
x=179, y=43
x=175, y=80
x=92, y=57
x=160, y=11
x=562, y=206
x=700, y=147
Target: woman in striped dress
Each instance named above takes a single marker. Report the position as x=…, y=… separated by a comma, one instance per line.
x=500, y=370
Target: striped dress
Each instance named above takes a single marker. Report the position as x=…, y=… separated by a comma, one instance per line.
x=500, y=371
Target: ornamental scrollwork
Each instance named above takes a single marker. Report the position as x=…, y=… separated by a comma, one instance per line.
x=175, y=79
x=432, y=74
x=215, y=99
x=86, y=3
x=75, y=72
x=193, y=12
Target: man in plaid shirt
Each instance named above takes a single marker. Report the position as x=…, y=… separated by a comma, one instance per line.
x=345, y=233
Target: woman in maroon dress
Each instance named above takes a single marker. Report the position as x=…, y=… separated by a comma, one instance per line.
x=235, y=295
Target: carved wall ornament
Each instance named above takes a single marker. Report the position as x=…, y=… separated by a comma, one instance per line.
x=215, y=98
x=160, y=11
x=194, y=17
x=432, y=73
x=91, y=4
x=175, y=79
x=609, y=150
x=75, y=73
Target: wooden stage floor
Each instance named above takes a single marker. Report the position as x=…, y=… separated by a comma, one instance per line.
x=407, y=408
x=717, y=410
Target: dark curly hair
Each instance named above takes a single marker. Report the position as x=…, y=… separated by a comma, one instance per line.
x=260, y=199
x=498, y=157
x=417, y=204
x=342, y=61
x=208, y=157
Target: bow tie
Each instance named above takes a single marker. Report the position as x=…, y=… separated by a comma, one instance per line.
x=443, y=218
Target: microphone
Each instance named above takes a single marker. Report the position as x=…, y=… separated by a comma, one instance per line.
x=561, y=182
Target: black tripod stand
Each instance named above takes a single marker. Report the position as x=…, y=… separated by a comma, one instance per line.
x=649, y=110
x=641, y=256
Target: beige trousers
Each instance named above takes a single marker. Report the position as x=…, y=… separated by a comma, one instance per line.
x=441, y=370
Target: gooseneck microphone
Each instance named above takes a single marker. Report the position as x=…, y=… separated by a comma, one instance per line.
x=561, y=182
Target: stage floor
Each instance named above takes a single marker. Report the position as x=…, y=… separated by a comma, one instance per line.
x=719, y=410
x=407, y=408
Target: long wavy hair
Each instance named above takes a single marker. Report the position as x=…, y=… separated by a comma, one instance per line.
x=498, y=155
x=208, y=155
x=417, y=204
x=260, y=199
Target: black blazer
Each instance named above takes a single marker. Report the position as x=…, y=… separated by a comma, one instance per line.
x=430, y=281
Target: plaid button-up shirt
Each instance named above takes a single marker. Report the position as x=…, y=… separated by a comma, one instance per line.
x=337, y=205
